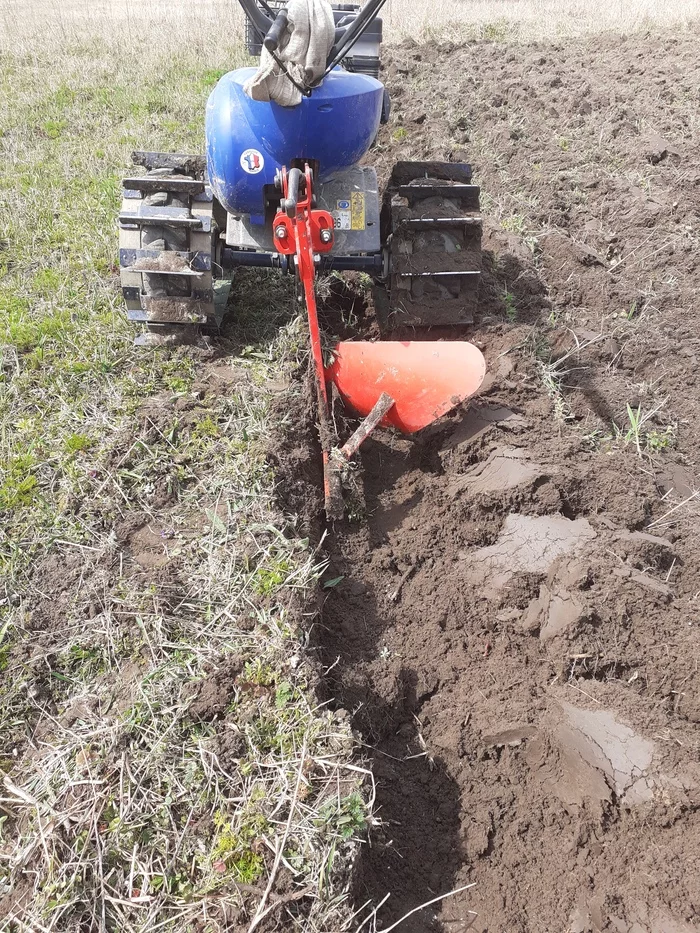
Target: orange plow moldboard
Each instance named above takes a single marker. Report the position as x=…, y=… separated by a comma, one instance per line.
x=425, y=378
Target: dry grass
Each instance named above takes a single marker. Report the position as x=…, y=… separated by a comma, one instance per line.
x=118, y=810
x=534, y=19
x=32, y=23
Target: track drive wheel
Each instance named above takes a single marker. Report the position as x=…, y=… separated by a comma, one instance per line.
x=431, y=225
x=168, y=249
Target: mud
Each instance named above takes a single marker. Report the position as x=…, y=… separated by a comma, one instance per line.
x=515, y=630
x=516, y=694
x=166, y=264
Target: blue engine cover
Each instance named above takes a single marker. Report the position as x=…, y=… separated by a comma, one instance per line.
x=248, y=140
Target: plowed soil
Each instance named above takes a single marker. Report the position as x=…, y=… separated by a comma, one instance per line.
x=515, y=631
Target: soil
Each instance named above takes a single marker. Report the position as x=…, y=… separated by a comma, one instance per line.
x=515, y=634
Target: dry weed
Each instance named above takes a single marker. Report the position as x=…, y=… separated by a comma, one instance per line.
x=209, y=24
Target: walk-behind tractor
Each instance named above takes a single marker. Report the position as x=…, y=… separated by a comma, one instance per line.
x=282, y=187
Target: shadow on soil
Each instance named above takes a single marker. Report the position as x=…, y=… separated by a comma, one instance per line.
x=416, y=853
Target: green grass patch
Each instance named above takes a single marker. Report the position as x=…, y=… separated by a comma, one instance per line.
x=146, y=814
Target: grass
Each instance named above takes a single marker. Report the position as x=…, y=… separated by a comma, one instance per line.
x=642, y=432
x=511, y=306
x=122, y=808
x=505, y=20
x=551, y=376
x=123, y=23
x=552, y=372
x=639, y=429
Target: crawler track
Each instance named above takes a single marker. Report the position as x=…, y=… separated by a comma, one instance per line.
x=432, y=223
x=168, y=247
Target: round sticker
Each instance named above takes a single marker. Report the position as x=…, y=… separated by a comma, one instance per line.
x=252, y=161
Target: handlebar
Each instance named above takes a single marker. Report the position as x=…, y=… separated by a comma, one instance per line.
x=274, y=34
x=270, y=29
x=260, y=20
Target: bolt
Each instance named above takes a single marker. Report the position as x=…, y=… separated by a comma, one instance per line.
x=326, y=235
x=281, y=232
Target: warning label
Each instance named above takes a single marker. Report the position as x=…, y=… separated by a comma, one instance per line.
x=357, y=211
x=343, y=215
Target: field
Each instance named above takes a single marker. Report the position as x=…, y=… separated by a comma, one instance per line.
x=218, y=714
x=131, y=22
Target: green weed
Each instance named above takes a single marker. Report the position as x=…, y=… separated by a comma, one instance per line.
x=258, y=672
x=271, y=577
x=347, y=819
x=18, y=488
x=498, y=30
x=638, y=433
x=233, y=852
x=516, y=223
x=211, y=77
x=77, y=443
x=54, y=128
x=207, y=427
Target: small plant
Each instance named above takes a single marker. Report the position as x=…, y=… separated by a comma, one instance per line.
x=514, y=224
x=268, y=579
x=54, y=128
x=207, y=427
x=76, y=443
x=81, y=662
x=18, y=487
x=178, y=384
x=347, y=819
x=552, y=373
x=233, y=853
x=283, y=694
x=661, y=440
x=496, y=31
x=259, y=673
x=331, y=584
x=551, y=376
x=649, y=440
x=400, y=133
